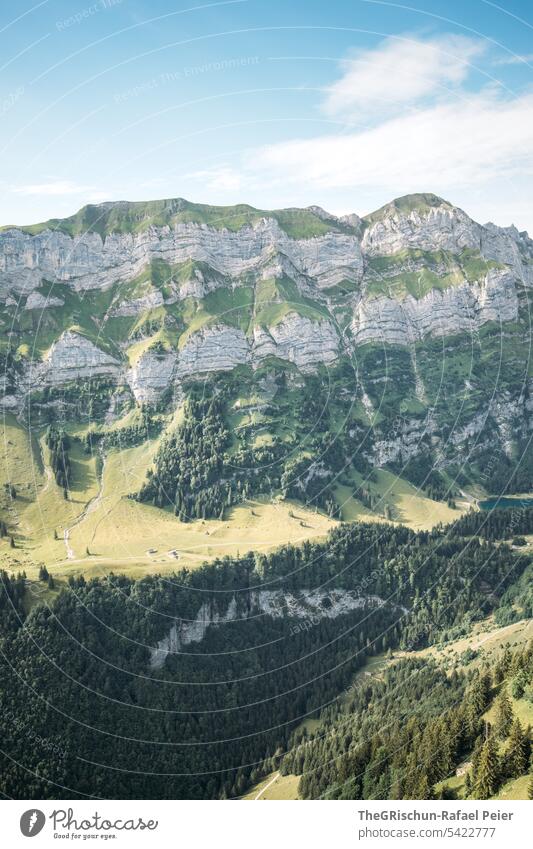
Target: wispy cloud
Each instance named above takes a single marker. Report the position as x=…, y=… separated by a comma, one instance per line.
x=424, y=127
x=401, y=71
x=224, y=178
x=55, y=187
x=458, y=143
x=518, y=59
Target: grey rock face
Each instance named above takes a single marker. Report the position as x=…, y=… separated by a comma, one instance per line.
x=72, y=357
x=138, y=305
x=250, y=256
x=217, y=348
x=310, y=605
x=36, y=301
x=440, y=313
x=441, y=228
x=87, y=262
x=507, y=245
x=298, y=340
x=151, y=376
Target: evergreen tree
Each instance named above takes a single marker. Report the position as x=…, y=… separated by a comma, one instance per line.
x=519, y=685
x=487, y=776
x=504, y=714
x=517, y=754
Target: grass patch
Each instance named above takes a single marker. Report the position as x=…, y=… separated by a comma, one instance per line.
x=137, y=217
x=421, y=202
x=275, y=787
x=417, y=272
x=408, y=505
x=276, y=298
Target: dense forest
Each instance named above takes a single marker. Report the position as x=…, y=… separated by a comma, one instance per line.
x=190, y=467
x=200, y=472
x=76, y=677
x=398, y=737
x=233, y=443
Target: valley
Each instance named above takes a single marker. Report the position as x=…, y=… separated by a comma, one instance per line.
x=250, y=486
x=99, y=528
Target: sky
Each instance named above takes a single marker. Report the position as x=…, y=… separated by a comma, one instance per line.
x=346, y=104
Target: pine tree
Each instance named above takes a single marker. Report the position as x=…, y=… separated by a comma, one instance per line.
x=423, y=788
x=488, y=772
x=504, y=714
x=519, y=684
x=517, y=752
x=478, y=698
x=43, y=573
x=530, y=788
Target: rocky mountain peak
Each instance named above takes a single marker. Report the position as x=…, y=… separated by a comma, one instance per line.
x=229, y=286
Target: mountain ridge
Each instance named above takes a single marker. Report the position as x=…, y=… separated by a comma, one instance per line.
x=416, y=317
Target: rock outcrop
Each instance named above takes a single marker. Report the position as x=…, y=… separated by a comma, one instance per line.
x=360, y=275
x=73, y=357
x=457, y=309
x=441, y=227
x=308, y=605
x=90, y=262
x=151, y=376
x=299, y=340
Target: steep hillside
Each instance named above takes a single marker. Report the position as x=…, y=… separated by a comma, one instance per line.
x=340, y=351
x=197, y=684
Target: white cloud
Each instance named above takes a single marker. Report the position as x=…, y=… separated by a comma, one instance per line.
x=460, y=143
x=518, y=59
x=56, y=187
x=224, y=178
x=401, y=71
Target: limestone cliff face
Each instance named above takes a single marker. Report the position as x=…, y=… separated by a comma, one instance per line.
x=71, y=358
x=151, y=376
x=440, y=228
x=308, y=605
x=221, y=348
x=217, y=348
x=507, y=245
x=88, y=262
x=456, y=309
x=340, y=272
x=299, y=340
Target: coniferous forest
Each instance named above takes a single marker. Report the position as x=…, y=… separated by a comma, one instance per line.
x=228, y=708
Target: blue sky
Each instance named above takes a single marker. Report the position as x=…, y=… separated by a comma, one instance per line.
x=341, y=104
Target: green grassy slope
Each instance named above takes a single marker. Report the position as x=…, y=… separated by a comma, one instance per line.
x=135, y=217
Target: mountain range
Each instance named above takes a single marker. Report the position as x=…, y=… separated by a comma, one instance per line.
x=416, y=318
x=313, y=404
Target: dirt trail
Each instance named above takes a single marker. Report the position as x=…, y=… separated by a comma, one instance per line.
x=272, y=780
